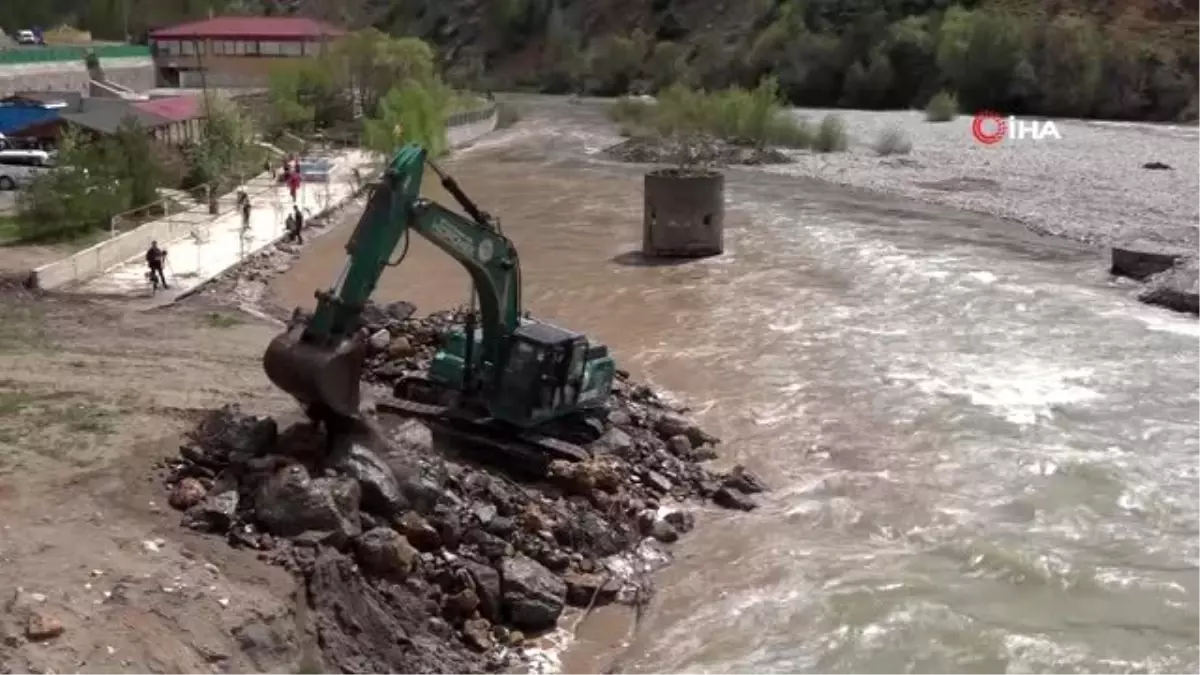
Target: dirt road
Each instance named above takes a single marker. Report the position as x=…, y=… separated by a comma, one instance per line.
x=93, y=396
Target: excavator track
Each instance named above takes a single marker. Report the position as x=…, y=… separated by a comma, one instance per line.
x=530, y=449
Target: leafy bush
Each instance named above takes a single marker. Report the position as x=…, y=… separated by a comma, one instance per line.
x=943, y=107
x=410, y=114
x=892, y=141
x=754, y=116
x=95, y=180
x=831, y=135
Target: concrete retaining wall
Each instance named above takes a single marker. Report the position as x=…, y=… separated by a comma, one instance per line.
x=136, y=73
x=108, y=254
x=463, y=128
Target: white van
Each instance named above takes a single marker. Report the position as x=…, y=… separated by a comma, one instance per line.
x=18, y=168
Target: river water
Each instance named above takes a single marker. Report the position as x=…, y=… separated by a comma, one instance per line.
x=984, y=458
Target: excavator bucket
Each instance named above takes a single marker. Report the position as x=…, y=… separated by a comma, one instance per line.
x=324, y=380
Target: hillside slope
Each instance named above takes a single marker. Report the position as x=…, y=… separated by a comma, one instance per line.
x=1125, y=59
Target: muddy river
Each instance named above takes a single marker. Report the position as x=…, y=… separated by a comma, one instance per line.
x=984, y=457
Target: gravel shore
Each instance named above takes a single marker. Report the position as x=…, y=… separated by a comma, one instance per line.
x=1089, y=186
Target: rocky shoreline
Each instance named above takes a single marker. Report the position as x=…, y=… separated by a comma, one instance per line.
x=692, y=151
x=421, y=557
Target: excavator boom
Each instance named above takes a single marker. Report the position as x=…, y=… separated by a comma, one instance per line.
x=320, y=363
x=509, y=384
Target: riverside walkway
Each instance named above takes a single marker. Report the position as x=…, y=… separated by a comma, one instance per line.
x=215, y=246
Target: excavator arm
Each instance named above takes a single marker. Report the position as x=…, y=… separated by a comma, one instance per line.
x=320, y=363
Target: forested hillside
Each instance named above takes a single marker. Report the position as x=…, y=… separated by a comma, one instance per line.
x=1126, y=59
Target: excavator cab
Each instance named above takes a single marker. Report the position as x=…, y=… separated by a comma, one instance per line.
x=544, y=375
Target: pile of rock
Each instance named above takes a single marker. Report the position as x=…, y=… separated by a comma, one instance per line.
x=693, y=151
x=417, y=561
x=1177, y=288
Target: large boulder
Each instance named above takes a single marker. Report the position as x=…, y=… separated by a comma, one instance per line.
x=381, y=493
x=1143, y=259
x=227, y=435
x=386, y=552
x=533, y=597
x=1177, y=288
x=291, y=503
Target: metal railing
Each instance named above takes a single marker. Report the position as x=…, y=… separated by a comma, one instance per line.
x=470, y=116
x=72, y=53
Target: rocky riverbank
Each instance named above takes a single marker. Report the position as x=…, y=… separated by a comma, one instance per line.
x=417, y=557
x=703, y=151
x=1102, y=183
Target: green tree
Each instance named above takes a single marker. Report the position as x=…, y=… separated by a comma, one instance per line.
x=868, y=86
x=1070, y=65
x=289, y=111
x=226, y=138
x=562, y=61
x=80, y=195
x=978, y=52
x=372, y=63
x=407, y=114
x=667, y=65
x=137, y=164
x=911, y=51
x=613, y=62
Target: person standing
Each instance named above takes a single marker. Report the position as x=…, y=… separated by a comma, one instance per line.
x=246, y=214
x=293, y=183
x=155, y=257
x=298, y=219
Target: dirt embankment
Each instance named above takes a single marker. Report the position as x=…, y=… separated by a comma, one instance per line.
x=95, y=574
x=412, y=554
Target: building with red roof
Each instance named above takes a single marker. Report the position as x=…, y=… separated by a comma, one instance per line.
x=235, y=51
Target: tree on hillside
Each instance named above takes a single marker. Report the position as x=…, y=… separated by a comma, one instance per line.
x=978, y=52
x=1070, y=62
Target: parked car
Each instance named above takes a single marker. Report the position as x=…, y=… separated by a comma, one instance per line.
x=18, y=168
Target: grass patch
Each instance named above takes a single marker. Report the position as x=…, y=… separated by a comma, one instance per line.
x=943, y=107
x=75, y=240
x=892, y=141
x=755, y=116
x=23, y=329
x=10, y=229
x=15, y=402
x=831, y=135
x=84, y=418
x=37, y=421
x=221, y=320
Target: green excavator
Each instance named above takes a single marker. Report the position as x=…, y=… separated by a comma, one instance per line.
x=512, y=383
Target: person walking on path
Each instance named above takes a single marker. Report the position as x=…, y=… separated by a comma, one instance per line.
x=155, y=257
x=293, y=183
x=298, y=217
x=245, y=204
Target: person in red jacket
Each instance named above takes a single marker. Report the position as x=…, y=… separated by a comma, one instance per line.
x=293, y=183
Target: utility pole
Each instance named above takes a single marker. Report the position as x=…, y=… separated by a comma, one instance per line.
x=125, y=20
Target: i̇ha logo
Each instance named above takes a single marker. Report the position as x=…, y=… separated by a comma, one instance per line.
x=990, y=128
